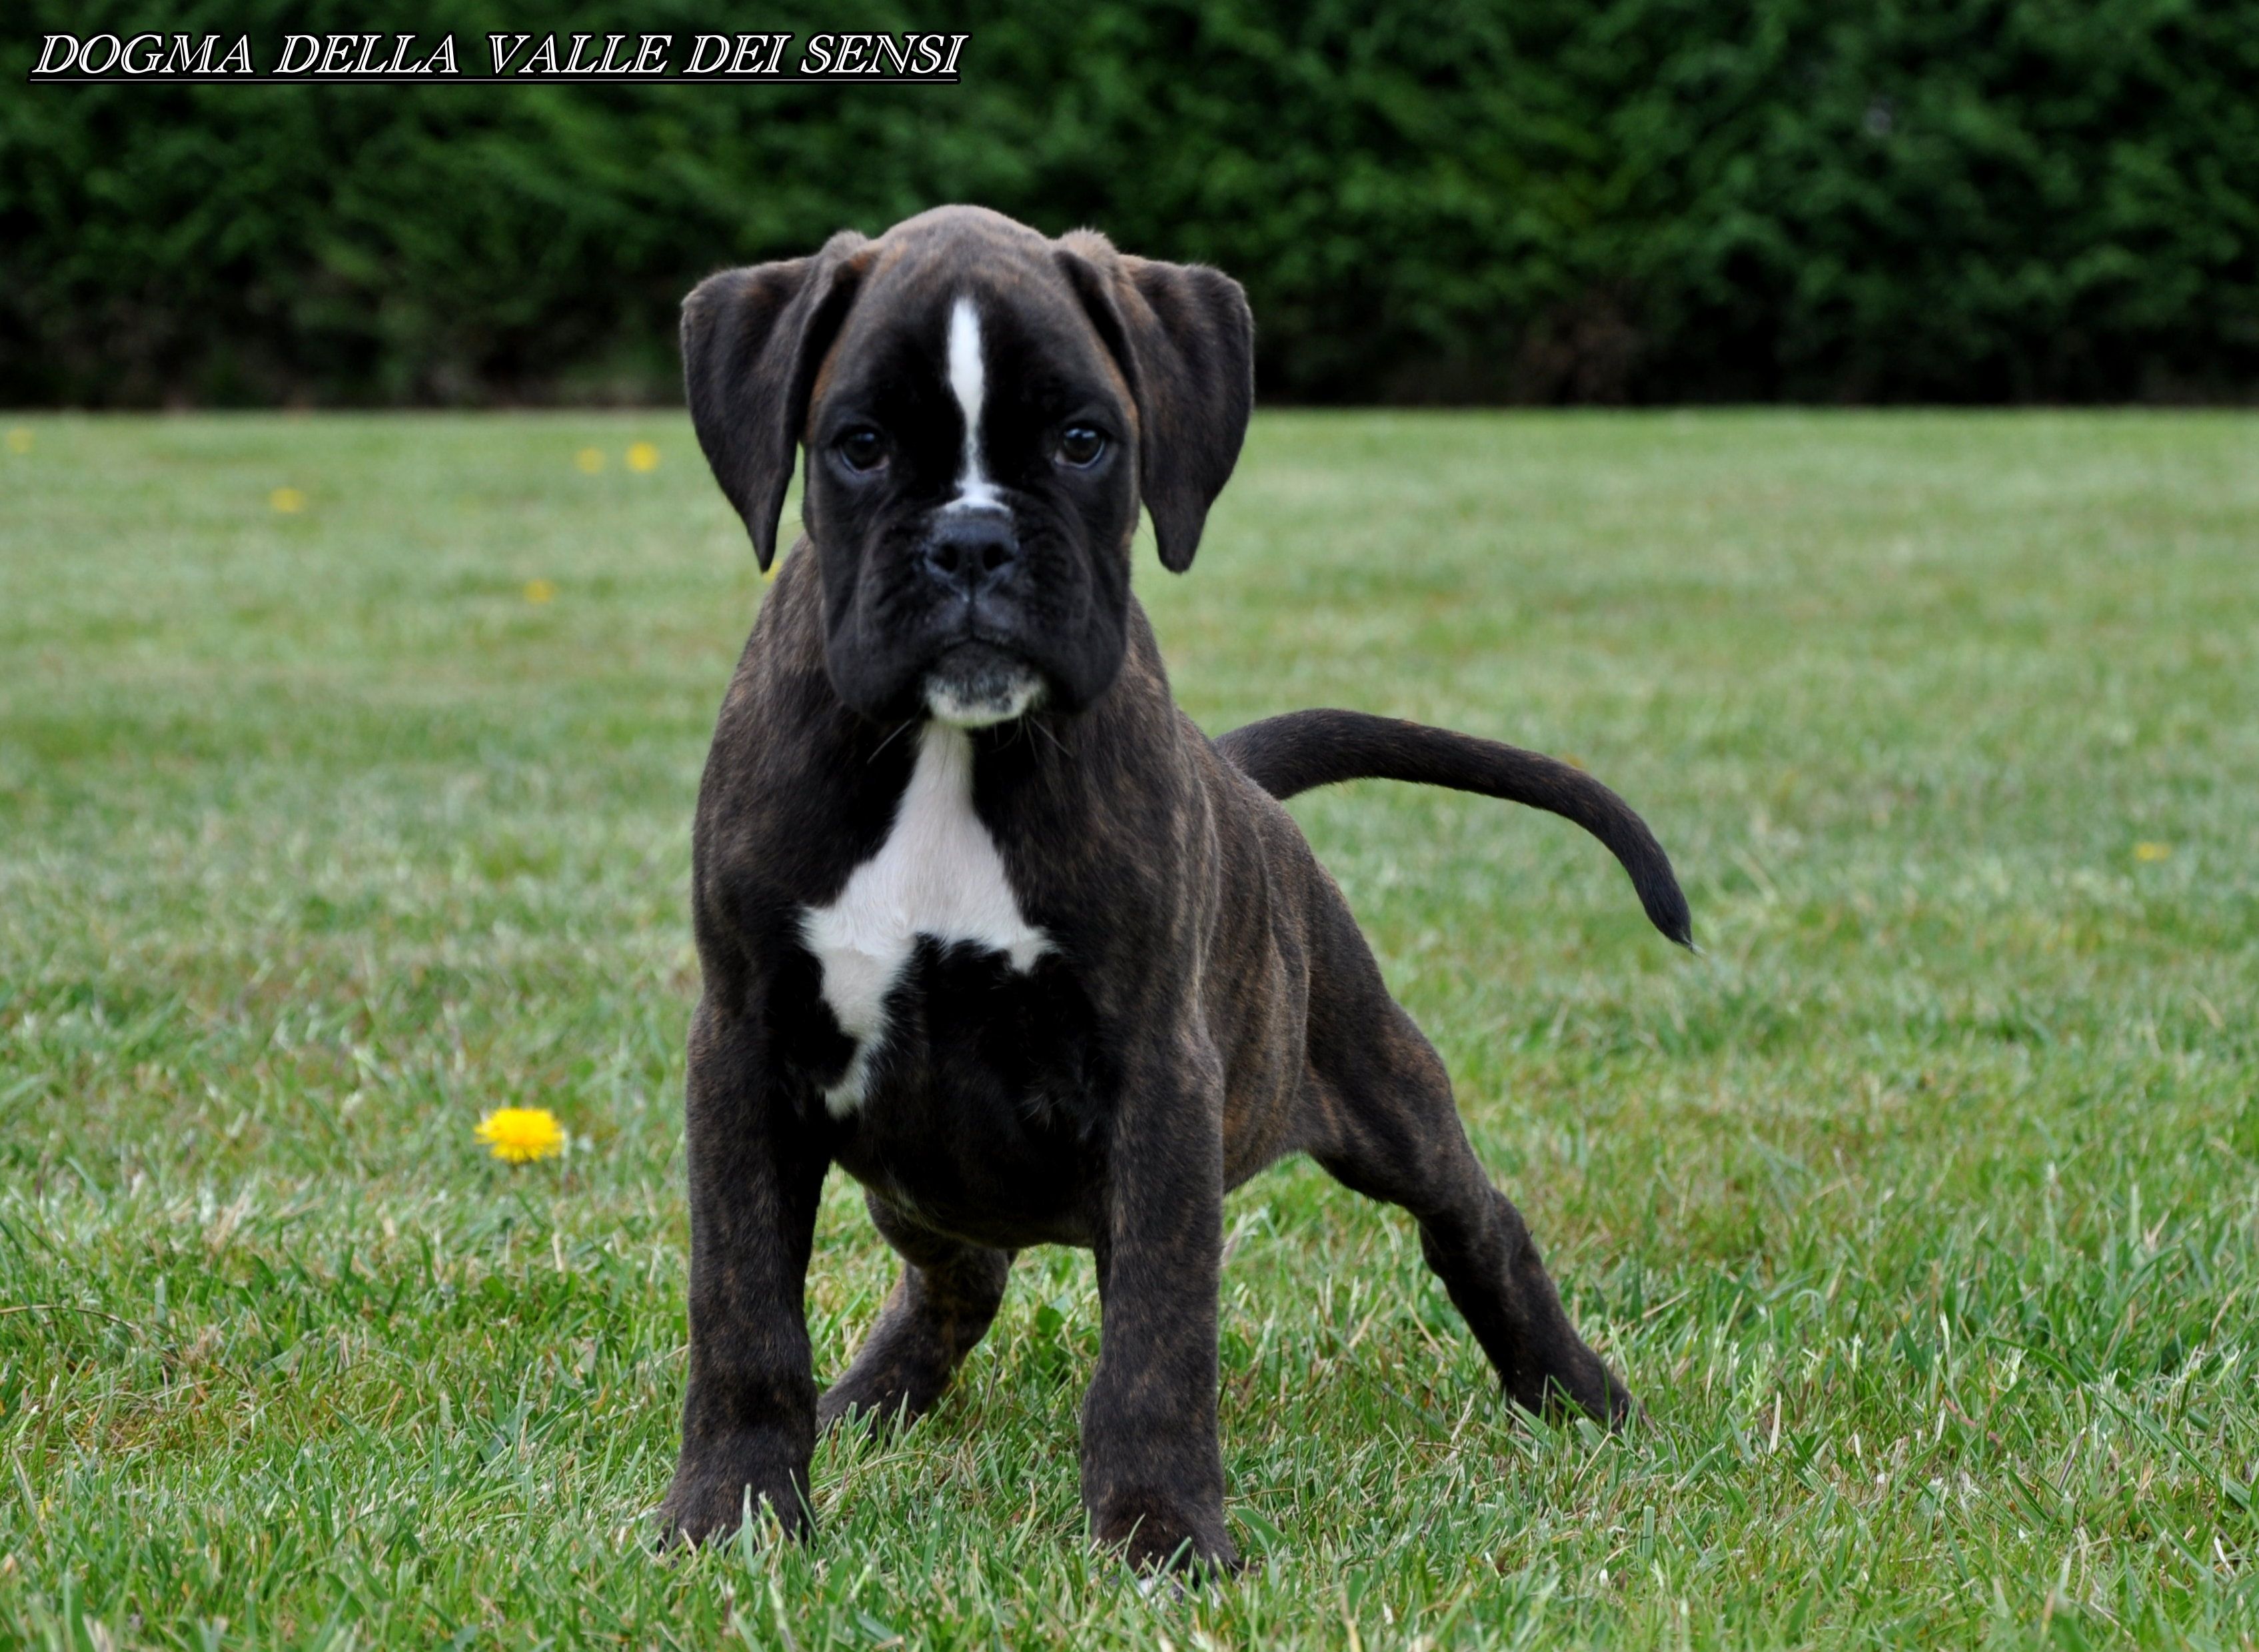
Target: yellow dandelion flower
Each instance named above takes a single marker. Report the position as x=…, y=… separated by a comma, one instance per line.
x=289, y=501
x=19, y=441
x=519, y=1136
x=540, y=591
x=590, y=460
x=641, y=456
x=2152, y=852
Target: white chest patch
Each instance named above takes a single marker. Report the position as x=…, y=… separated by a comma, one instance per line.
x=937, y=874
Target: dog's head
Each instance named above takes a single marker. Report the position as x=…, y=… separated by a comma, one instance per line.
x=983, y=410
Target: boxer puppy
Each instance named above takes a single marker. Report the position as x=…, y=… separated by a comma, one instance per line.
x=984, y=919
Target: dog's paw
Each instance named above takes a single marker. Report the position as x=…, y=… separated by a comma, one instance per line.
x=1585, y=1388
x=1623, y=1413
x=881, y=1401
x=1156, y=1532
x=717, y=1487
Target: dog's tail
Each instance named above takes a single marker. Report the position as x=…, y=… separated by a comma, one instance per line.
x=1288, y=754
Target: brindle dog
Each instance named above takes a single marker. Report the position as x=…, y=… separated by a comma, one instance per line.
x=984, y=919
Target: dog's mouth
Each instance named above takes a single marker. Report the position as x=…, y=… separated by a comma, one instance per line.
x=977, y=685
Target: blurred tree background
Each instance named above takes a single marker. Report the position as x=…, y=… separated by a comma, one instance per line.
x=1428, y=200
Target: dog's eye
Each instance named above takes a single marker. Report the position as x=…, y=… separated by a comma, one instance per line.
x=862, y=449
x=1080, y=445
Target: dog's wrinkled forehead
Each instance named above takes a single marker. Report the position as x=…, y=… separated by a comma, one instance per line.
x=956, y=318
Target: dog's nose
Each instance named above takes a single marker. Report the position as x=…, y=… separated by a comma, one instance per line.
x=971, y=550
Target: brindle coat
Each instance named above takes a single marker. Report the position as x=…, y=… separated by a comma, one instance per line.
x=1207, y=1004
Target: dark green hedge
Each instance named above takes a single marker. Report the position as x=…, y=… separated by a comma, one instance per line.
x=1528, y=200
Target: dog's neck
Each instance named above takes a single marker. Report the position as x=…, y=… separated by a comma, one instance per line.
x=1033, y=775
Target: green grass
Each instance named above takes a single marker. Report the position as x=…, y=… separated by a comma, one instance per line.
x=1923, y=1210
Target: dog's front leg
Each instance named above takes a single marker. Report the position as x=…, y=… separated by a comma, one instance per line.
x=756, y=1173
x=1152, y=1468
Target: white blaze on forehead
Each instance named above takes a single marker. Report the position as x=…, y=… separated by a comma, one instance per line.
x=968, y=381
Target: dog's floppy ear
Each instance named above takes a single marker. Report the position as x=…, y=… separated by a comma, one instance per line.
x=753, y=340
x=1184, y=339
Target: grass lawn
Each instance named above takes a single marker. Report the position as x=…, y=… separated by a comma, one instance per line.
x=1921, y=1210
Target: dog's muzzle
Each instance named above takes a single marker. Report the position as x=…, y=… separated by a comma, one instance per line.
x=973, y=557
x=976, y=685
x=972, y=549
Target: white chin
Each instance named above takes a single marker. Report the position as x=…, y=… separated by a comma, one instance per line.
x=984, y=699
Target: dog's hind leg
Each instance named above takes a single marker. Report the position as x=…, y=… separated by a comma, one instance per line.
x=1386, y=1127
x=940, y=1307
